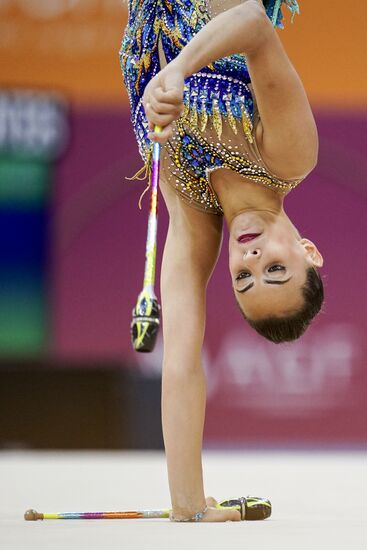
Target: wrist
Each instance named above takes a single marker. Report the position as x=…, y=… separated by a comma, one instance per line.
x=183, y=64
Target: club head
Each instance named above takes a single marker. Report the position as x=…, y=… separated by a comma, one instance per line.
x=251, y=508
x=145, y=322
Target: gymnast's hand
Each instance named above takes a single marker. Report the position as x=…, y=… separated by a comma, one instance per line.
x=162, y=101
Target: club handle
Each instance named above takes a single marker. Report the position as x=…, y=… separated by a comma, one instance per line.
x=151, y=244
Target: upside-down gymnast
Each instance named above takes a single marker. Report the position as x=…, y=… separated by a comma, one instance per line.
x=238, y=135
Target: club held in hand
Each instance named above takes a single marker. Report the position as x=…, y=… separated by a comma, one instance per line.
x=146, y=314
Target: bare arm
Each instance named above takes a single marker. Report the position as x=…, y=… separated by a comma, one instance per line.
x=287, y=135
x=236, y=30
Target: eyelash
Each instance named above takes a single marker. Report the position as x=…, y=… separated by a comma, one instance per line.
x=270, y=270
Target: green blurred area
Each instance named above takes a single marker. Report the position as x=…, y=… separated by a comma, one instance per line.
x=22, y=319
x=24, y=187
x=23, y=181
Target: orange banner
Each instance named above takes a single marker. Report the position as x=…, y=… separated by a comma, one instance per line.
x=327, y=45
x=72, y=45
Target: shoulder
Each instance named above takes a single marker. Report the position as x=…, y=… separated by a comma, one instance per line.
x=287, y=158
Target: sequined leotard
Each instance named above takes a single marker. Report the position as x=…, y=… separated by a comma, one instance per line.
x=217, y=128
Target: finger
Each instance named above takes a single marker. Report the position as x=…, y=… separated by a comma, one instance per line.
x=172, y=95
x=163, y=136
x=157, y=118
x=164, y=108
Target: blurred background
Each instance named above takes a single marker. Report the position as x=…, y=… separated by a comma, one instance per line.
x=72, y=248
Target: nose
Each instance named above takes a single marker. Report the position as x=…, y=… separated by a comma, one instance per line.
x=252, y=254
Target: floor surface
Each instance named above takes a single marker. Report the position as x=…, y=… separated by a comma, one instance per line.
x=319, y=500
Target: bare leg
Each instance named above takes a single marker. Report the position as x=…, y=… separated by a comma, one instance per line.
x=191, y=251
x=183, y=383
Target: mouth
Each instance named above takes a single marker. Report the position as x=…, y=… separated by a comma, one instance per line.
x=246, y=237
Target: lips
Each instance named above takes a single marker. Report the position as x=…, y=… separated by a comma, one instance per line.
x=246, y=237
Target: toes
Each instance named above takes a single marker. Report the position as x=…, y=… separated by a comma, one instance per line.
x=236, y=516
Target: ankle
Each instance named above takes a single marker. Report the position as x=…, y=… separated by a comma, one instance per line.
x=186, y=514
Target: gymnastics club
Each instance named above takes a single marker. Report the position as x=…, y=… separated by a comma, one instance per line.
x=251, y=509
x=145, y=322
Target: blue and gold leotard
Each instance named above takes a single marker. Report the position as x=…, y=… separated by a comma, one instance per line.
x=217, y=128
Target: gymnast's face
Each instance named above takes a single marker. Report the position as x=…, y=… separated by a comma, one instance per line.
x=268, y=262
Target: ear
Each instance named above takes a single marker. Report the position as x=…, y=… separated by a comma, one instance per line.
x=312, y=252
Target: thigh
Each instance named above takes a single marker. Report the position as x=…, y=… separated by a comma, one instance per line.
x=194, y=237
x=190, y=254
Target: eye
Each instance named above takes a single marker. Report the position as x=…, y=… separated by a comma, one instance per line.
x=276, y=267
x=243, y=275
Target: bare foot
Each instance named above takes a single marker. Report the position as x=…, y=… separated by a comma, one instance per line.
x=215, y=515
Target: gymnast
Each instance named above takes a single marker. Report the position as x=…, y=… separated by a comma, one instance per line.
x=237, y=135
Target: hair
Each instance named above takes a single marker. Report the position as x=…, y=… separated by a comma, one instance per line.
x=287, y=329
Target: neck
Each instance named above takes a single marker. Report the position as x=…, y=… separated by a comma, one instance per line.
x=238, y=195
